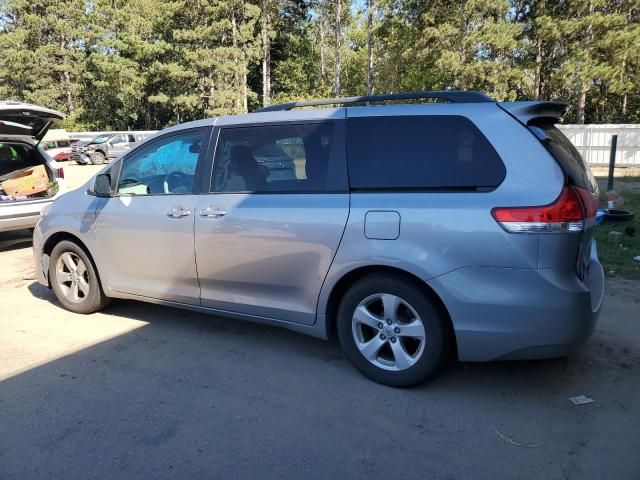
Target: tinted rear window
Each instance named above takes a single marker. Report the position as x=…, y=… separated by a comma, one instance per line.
x=570, y=160
x=420, y=152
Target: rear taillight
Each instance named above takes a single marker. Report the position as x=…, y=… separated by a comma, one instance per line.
x=574, y=209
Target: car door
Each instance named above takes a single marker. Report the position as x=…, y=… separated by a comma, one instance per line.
x=145, y=231
x=265, y=240
x=116, y=146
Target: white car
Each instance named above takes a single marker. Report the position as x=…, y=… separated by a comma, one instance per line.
x=22, y=127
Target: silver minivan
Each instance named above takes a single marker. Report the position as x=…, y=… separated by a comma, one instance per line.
x=413, y=232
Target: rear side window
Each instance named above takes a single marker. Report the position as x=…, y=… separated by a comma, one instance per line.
x=566, y=154
x=420, y=152
x=284, y=158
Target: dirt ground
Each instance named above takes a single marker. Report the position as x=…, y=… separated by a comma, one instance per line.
x=144, y=391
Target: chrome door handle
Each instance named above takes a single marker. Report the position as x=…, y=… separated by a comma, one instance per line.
x=212, y=212
x=178, y=212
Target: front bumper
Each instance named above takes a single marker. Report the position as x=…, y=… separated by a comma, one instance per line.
x=41, y=260
x=502, y=313
x=80, y=158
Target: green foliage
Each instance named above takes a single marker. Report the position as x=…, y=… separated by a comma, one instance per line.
x=151, y=63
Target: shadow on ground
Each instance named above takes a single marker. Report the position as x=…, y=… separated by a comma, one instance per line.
x=15, y=240
x=192, y=396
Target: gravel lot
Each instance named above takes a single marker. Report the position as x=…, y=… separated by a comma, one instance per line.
x=144, y=391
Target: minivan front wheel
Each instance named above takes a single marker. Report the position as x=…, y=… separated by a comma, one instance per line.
x=391, y=330
x=74, y=280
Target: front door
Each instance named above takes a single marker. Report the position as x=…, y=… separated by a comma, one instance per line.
x=268, y=231
x=145, y=232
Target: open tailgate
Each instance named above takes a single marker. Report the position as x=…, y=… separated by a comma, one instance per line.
x=26, y=120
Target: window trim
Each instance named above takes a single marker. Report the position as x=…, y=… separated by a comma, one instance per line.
x=428, y=189
x=202, y=156
x=341, y=125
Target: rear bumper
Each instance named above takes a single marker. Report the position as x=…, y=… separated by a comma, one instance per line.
x=501, y=313
x=19, y=215
x=18, y=222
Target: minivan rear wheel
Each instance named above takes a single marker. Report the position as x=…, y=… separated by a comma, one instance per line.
x=74, y=280
x=392, y=331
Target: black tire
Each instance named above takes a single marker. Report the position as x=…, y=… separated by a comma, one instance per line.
x=95, y=299
x=98, y=158
x=618, y=216
x=436, y=340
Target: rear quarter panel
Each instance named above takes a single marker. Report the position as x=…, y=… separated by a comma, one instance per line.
x=444, y=231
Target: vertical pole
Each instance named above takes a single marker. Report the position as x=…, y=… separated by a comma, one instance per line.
x=612, y=161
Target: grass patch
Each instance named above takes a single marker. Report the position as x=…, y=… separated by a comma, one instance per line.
x=617, y=258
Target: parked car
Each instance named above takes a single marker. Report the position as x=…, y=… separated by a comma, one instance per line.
x=103, y=148
x=22, y=126
x=59, y=149
x=412, y=231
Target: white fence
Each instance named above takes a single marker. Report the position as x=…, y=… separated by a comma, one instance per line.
x=89, y=135
x=594, y=143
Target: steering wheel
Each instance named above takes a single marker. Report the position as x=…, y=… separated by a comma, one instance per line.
x=175, y=179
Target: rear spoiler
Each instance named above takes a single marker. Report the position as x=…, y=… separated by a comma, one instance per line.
x=526, y=112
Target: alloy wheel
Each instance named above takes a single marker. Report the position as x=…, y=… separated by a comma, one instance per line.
x=388, y=332
x=72, y=277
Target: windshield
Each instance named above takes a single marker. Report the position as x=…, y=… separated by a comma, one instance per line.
x=101, y=139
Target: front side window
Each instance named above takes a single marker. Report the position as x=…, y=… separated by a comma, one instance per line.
x=166, y=166
x=280, y=158
x=119, y=139
x=420, y=152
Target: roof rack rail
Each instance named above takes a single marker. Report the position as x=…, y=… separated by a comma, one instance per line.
x=454, y=96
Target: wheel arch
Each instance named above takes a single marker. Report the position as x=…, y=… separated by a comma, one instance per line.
x=349, y=278
x=58, y=237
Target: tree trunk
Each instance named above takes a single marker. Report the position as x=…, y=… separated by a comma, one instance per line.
x=322, y=62
x=461, y=81
x=370, y=48
x=66, y=78
x=537, y=81
x=236, y=77
x=622, y=78
x=266, y=54
x=584, y=87
x=338, y=34
x=245, y=88
x=580, y=107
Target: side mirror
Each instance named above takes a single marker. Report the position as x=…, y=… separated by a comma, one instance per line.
x=102, y=185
